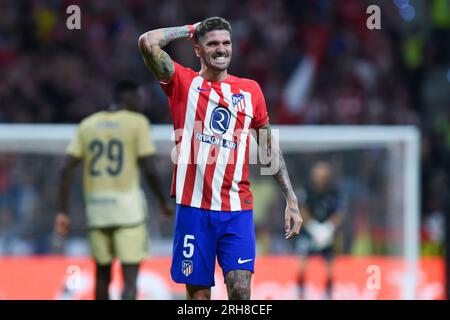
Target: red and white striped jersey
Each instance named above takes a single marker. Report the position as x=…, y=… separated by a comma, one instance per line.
x=212, y=123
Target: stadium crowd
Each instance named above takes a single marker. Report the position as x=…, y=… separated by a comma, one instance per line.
x=393, y=76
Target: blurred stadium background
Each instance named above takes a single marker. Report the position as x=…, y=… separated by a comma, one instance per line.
x=318, y=64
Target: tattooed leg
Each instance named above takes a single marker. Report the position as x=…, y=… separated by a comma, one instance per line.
x=238, y=284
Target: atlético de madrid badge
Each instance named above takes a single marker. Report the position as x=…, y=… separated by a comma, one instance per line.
x=238, y=101
x=187, y=267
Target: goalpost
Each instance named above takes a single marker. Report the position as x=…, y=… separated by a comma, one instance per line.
x=378, y=163
x=407, y=138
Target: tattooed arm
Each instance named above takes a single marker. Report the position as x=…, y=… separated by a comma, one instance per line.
x=269, y=149
x=156, y=59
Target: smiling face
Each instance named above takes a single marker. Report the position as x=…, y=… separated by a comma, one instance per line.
x=214, y=49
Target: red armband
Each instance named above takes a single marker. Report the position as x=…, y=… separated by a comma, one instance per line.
x=191, y=31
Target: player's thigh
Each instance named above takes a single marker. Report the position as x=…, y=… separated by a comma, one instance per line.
x=131, y=243
x=101, y=243
x=236, y=248
x=194, y=247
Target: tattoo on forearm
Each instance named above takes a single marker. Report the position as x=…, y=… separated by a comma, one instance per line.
x=282, y=175
x=282, y=178
x=172, y=34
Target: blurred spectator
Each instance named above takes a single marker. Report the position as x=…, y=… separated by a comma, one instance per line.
x=322, y=215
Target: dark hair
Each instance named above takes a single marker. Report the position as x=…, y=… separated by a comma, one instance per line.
x=124, y=86
x=210, y=24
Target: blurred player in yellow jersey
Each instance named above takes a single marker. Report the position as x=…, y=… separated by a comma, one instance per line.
x=113, y=145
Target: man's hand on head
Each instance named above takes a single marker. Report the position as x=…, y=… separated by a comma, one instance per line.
x=192, y=30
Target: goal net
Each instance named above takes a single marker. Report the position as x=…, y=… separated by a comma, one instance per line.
x=375, y=170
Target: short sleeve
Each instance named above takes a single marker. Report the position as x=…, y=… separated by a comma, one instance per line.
x=170, y=86
x=260, y=115
x=75, y=147
x=145, y=143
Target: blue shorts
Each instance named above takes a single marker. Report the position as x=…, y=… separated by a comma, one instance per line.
x=202, y=235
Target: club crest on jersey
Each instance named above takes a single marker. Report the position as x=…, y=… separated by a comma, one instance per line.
x=238, y=101
x=220, y=120
x=187, y=267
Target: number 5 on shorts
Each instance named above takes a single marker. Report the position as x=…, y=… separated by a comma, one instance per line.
x=190, y=247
